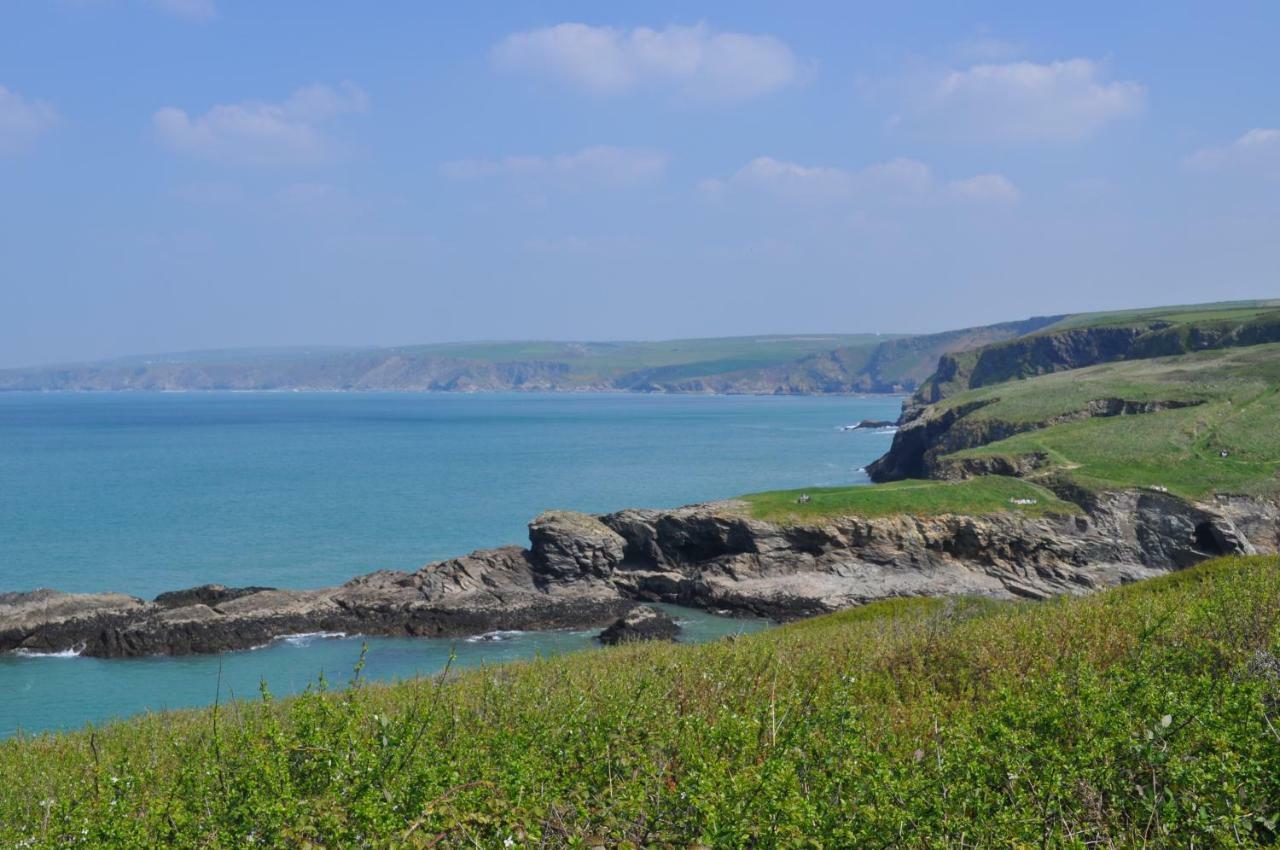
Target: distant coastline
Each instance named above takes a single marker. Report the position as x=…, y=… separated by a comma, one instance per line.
x=826, y=364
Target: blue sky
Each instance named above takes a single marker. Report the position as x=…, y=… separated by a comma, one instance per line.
x=182, y=174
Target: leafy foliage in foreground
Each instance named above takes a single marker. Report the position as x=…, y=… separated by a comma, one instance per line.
x=1144, y=716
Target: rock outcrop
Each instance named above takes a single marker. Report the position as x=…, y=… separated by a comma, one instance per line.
x=583, y=571
x=643, y=622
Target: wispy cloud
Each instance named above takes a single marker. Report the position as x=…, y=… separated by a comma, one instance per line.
x=985, y=188
x=692, y=61
x=1257, y=152
x=600, y=164
x=1062, y=101
x=22, y=121
x=261, y=133
x=894, y=181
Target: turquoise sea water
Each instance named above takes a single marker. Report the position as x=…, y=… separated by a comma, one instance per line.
x=143, y=493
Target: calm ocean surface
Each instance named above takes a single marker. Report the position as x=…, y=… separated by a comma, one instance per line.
x=143, y=493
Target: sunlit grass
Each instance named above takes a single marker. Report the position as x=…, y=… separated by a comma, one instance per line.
x=1144, y=716
x=976, y=496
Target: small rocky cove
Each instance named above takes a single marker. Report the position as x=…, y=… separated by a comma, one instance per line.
x=582, y=571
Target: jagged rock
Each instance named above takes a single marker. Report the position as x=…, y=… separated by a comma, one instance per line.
x=643, y=622
x=869, y=424
x=205, y=594
x=568, y=545
x=584, y=571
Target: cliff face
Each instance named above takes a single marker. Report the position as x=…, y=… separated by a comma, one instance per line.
x=926, y=436
x=893, y=366
x=1076, y=348
x=582, y=570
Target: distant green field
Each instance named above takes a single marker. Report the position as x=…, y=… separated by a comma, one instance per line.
x=694, y=357
x=976, y=496
x=1185, y=314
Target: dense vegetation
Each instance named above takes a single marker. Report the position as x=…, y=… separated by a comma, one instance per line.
x=1143, y=716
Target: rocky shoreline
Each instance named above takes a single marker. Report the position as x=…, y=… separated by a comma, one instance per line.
x=584, y=571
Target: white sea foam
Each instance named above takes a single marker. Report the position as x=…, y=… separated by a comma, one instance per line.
x=488, y=637
x=64, y=653
x=306, y=638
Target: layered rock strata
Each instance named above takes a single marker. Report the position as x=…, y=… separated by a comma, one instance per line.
x=583, y=571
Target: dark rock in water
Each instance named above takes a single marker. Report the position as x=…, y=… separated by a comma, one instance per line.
x=867, y=424
x=642, y=622
x=205, y=594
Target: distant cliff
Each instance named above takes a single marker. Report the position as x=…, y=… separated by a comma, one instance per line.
x=952, y=412
x=1056, y=350
x=770, y=365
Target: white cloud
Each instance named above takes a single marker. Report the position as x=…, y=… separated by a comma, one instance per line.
x=22, y=121
x=196, y=10
x=985, y=188
x=601, y=164
x=259, y=133
x=895, y=181
x=693, y=61
x=1257, y=152
x=1023, y=102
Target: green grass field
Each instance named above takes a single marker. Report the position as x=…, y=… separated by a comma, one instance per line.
x=1147, y=716
x=1238, y=311
x=976, y=496
x=1237, y=395
x=1178, y=449
x=688, y=357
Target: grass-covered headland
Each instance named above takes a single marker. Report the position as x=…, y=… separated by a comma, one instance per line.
x=1146, y=716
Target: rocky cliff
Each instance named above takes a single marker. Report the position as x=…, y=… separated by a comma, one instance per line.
x=926, y=435
x=582, y=570
x=1075, y=348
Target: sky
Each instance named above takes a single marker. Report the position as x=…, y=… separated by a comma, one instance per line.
x=193, y=174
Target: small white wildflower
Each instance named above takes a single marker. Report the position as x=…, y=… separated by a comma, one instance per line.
x=508, y=842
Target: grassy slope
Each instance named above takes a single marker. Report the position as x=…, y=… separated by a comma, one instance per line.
x=1178, y=449
x=1184, y=314
x=1163, y=331
x=1142, y=716
x=986, y=495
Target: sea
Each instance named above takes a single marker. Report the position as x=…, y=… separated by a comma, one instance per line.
x=147, y=492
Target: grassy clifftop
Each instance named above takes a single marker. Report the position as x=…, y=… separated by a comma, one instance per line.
x=1143, y=716
x=1162, y=423
x=975, y=496
x=1232, y=402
